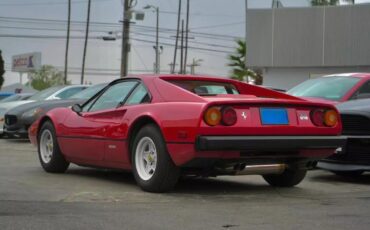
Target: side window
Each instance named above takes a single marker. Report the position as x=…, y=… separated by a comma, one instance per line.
x=69, y=92
x=112, y=97
x=362, y=92
x=140, y=95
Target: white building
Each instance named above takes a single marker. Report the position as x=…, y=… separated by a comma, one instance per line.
x=291, y=45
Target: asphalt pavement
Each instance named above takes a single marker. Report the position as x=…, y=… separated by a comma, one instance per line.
x=85, y=198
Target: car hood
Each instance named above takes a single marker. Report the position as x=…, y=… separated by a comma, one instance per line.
x=360, y=105
x=12, y=104
x=321, y=100
x=45, y=105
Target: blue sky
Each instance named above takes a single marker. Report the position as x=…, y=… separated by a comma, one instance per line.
x=215, y=23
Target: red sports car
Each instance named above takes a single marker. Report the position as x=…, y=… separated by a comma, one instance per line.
x=163, y=126
x=334, y=89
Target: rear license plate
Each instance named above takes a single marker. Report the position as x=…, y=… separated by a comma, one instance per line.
x=274, y=116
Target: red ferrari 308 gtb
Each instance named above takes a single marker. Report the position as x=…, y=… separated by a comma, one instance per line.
x=163, y=126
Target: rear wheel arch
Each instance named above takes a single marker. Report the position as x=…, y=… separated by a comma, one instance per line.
x=135, y=128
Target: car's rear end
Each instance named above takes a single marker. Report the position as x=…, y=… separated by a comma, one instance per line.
x=254, y=134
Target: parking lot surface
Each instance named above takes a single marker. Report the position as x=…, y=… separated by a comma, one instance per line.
x=85, y=198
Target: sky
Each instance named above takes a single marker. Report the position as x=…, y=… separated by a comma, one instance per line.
x=214, y=26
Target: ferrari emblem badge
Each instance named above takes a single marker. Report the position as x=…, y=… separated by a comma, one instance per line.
x=244, y=115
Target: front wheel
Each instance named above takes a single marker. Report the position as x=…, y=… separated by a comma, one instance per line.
x=50, y=156
x=289, y=178
x=153, y=168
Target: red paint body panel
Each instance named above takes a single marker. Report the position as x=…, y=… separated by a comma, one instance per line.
x=102, y=138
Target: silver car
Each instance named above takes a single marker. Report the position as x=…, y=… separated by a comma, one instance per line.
x=52, y=93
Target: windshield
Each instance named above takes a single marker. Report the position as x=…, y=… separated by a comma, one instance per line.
x=330, y=88
x=89, y=92
x=45, y=93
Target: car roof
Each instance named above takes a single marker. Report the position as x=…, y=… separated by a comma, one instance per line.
x=359, y=75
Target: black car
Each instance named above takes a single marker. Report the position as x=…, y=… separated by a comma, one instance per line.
x=354, y=158
x=20, y=118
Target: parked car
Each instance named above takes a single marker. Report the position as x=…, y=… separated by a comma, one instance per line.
x=354, y=158
x=17, y=97
x=5, y=95
x=21, y=117
x=163, y=126
x=334, y=88
x=52, y=93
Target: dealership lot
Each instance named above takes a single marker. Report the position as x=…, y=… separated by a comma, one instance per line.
x=86, y=198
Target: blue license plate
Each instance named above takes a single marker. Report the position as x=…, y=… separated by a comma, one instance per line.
x=274, y=116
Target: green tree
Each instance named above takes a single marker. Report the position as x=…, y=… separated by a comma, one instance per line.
x=2, y=70
x=238, y=61
x=329, y=2
x=46, y=77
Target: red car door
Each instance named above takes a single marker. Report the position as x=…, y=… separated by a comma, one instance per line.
x=87, y=133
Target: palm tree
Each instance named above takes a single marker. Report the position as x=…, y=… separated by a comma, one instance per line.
x=237, y=60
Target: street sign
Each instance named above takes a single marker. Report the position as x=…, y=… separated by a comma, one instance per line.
x=26, y=62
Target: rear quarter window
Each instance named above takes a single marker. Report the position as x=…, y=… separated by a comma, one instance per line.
x=206, y=88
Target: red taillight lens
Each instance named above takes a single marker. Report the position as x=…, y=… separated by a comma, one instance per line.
x=228, y=116
x=317, y=117
x=324, y=118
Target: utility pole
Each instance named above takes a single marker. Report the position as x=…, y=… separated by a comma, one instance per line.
x=86, y=40
x=246, y=33
x=67, y=42
x=177, y=38
x=182, y=48
x=157, y=43
x=195, y=63
x=156, y=47
x=125, y=37
x=186, y=34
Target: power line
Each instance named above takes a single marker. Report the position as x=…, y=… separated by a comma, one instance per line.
x=22, y=36
x=109, y=24
x=41, y=3
x=218, y=25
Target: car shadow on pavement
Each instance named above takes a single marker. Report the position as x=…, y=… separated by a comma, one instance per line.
x=103, y=174
x=186, y=185
x=214, y=186
x=18, y=140
x=363, y=179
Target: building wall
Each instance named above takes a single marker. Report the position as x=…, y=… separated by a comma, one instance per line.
x=286, y=78
x=309, y=37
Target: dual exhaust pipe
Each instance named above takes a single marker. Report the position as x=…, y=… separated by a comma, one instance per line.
x=242, y=170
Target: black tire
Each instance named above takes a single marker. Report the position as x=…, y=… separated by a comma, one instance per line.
x=289, y=178
x=166, y=173
x=348, y=173
x=57, y=163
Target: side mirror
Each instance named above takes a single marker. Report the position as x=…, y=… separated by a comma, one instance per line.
x=77, y=108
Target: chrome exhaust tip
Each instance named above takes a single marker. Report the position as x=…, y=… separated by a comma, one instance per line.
x=262, y=169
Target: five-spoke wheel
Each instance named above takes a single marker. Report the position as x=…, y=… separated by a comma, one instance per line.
x=50, y=156
x=153, y=168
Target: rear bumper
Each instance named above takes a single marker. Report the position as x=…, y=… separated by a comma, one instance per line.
x=342, y=166
x=268, y=143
